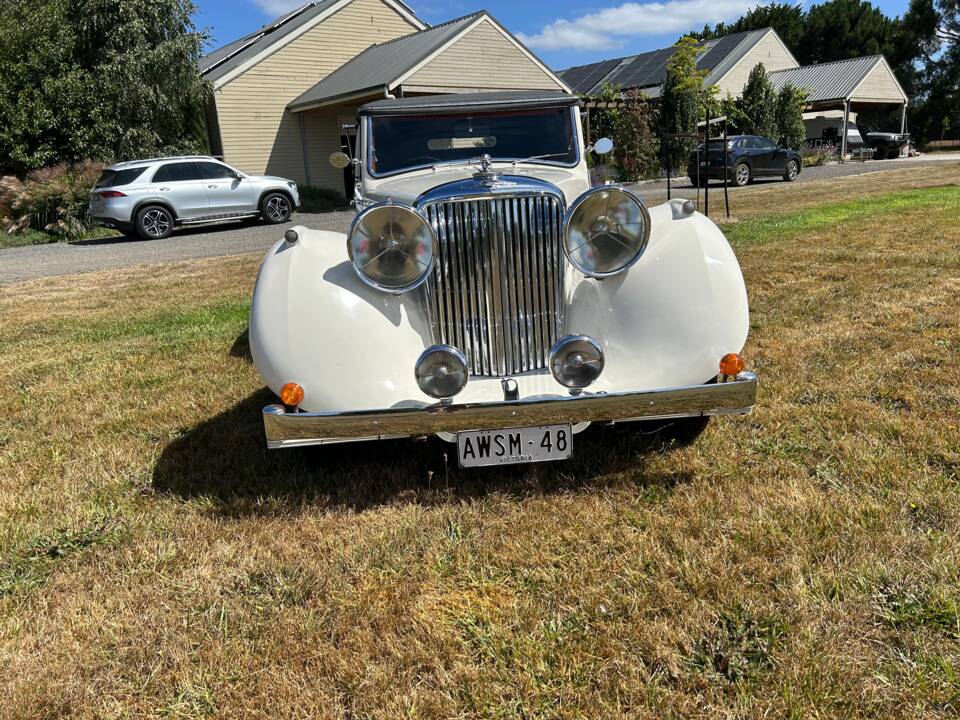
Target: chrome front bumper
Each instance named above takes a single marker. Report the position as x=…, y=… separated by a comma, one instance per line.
x=735, y=396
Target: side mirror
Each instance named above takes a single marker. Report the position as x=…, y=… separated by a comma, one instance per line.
x=239, y=176
x=340, y=160
x=603, y=146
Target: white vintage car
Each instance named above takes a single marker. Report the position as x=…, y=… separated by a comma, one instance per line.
x=487, y=294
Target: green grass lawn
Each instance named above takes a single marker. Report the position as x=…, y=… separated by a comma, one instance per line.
x=156, y=561
x=37, y=237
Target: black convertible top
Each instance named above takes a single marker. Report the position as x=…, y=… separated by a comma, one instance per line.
x=477, y=102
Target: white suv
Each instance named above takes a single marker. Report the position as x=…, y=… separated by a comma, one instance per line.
x=151, y=197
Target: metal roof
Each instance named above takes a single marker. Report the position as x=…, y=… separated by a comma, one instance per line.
x=649, y=69
x=381, y=67
x=827, y=81
x=223, y=60
x=486, y=101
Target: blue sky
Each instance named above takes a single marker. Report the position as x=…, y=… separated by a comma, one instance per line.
x=562, y=32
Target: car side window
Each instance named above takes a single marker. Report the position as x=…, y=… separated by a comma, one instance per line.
x=765, y=144
x=214, y=171
x=175, y=172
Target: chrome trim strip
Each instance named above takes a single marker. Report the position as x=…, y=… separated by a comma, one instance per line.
x=300, y=429
x=368, y=123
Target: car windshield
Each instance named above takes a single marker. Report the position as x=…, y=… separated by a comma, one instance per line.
x=400, y=143
x=868, y=127
x=118, y=178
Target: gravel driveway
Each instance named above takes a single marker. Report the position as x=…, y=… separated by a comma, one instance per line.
x=37, y=261
x=26, y=263
x=656, y=191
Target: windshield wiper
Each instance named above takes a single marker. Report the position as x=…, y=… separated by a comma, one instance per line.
x=541, y=157
x=480, y=160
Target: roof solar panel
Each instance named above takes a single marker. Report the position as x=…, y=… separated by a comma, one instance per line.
x=599, y=74
x=710, y=59
x=648, y=69
x=585, y=77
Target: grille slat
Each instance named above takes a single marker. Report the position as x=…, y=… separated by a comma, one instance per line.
x=496, y=290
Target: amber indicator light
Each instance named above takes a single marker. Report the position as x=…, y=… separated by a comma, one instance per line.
x=291, y=395
x=731, y=365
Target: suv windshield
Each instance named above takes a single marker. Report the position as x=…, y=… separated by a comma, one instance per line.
x=118, y=178
x=400, y=143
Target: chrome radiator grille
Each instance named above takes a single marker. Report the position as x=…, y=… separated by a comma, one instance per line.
x=497, y=289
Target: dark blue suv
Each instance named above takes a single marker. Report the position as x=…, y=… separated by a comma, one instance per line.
x=748, y=157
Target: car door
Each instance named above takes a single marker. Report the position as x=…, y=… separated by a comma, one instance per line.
x=178, y=184
x=766, y=157
x=226, y=193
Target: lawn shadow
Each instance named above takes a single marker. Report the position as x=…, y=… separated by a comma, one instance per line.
x=241, y=347
x=225, y=459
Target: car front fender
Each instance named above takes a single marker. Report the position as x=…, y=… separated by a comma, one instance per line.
x=314, y=322
x=669, y=319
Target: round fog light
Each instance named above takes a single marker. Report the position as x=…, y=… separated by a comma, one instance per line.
x=576, y=361
x=442, y=372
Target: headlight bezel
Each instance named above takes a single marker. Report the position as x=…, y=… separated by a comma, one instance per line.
x=576, y=205
x=362, y=216
x=454, y=356
x=561, y=352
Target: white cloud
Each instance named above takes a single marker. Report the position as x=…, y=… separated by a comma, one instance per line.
x=607, y=28
x=275, y=8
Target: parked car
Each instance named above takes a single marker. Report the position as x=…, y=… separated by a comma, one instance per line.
x=886, y=145
x=747, y=157
x=860, y=134
x=485, y=293
x=152, y=197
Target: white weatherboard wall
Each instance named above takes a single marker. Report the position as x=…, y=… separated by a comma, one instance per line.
x=770, y=51
x=879, y=85
x=482, y=59
x=259, y=135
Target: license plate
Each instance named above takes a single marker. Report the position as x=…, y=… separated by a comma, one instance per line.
x=481, y=448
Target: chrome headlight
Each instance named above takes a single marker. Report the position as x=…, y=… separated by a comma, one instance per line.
x=442, y=372
x=576, y=361
x=606, y=231
x=392, y=247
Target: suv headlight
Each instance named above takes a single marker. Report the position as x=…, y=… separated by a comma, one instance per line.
x=606, y=231
x=392, y=247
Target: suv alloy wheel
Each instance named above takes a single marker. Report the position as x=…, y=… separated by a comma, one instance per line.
x=154, y=222
x=275, y=208
x=741, y=174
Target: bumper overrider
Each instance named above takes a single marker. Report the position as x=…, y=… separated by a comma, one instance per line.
x=728, y=396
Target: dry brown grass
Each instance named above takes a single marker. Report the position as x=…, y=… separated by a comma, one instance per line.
x=155, y=561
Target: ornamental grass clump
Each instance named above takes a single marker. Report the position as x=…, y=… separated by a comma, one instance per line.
x=51, y=200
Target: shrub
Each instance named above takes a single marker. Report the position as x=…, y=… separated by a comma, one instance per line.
x=790, y=104
x=319, y=200
x=52, y=200
x=636, y=149
x=816, y=155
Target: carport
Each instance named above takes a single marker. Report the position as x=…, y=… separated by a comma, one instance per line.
x=847, y=85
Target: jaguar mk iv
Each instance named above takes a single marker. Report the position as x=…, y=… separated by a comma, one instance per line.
x=486, y=294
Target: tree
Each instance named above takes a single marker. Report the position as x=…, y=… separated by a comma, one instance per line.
x=758, y=105
x=790, y=104
x=104, y=79
x=933, y=26
x=636, y=148
x=786, y=19
x=682, y=102
x=844, y=29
